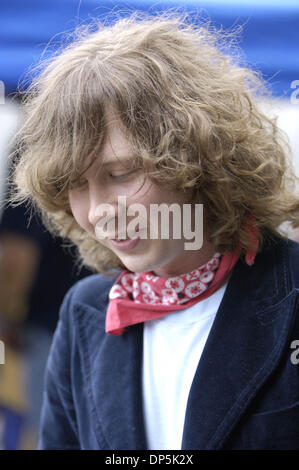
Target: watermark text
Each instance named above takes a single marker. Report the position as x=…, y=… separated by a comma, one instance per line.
x=2, y=352
x=295, y=354
x=187, y=222
x=295, y=94
x=2, y=92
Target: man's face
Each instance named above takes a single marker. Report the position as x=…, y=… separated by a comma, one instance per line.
x=108, y=178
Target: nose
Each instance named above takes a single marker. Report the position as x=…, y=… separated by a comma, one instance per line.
x=99, y=207
x=95, y=201
x=92, y=214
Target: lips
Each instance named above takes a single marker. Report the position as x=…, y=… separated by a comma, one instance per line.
x=122, y=237
x=119, y=237
x=125, y=236
x=125, y=245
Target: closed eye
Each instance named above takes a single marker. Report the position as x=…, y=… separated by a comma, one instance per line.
x=81, y=183
x=120, y=175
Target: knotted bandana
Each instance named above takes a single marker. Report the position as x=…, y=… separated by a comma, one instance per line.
x=139, y=297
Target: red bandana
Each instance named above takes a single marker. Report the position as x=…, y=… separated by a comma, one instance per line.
x=138, y=297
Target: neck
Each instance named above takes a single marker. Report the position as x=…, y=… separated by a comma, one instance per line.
x=187, y=262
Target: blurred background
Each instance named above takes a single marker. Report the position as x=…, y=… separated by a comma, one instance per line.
x=36, y=269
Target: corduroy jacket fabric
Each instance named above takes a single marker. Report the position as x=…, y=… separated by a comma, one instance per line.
x=245, y=392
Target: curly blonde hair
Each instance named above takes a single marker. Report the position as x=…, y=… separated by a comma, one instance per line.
x=189, y=110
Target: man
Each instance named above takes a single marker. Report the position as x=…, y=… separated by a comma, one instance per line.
x=179, y=348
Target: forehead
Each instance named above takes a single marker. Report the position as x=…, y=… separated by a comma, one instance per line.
x=116, y=145
x=115, y=148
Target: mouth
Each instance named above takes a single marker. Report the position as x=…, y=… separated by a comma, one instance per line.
x=120, y=238
x=125, y=244
x=124, y=237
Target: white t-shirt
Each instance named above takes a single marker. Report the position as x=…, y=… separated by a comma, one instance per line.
x=172, y=347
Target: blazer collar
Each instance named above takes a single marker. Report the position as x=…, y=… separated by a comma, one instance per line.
x=243, y=348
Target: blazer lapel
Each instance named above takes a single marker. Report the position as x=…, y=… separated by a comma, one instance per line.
x=118, y=389
x=113, y=376
x=244, y=346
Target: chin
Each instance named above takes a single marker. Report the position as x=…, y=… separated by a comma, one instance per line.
x=148, y=258
x=137, y=265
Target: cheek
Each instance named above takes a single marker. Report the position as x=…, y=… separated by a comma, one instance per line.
x=79, y=209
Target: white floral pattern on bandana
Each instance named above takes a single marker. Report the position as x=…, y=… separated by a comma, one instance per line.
x=148, y=288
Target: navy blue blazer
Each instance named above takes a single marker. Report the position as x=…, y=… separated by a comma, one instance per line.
x=245, y=392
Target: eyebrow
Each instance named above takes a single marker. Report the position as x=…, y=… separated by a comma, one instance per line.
x=122, y=159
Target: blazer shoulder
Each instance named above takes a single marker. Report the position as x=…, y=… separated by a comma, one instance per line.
x=286, y=253
x=92, y=290
x=86, y=301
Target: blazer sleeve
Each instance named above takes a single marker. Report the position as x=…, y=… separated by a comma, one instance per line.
x=58, y=426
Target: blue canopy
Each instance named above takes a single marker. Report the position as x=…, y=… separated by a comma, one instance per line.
x=270, y=35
